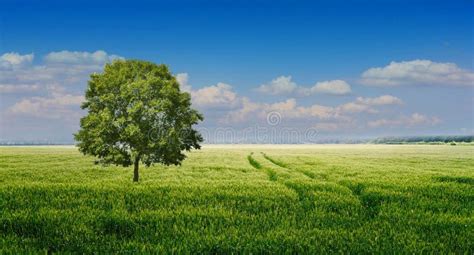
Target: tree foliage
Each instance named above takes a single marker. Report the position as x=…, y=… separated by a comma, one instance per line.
x=137, y=113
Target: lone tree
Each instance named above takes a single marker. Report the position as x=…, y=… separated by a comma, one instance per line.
x=137, y=113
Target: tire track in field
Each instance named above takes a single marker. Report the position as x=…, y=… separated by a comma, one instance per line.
x=304, y=193
x=284, y=165
x=272, y=175
x=370, y=204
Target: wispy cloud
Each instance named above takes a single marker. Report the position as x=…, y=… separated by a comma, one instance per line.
x=284, y=85
x=219, y=95
x=227, y=107
x=416, y=119
x=58, y=106
x=79, y=57
x=183, y=80
x=418, y=72
x=289, y=109
x=52, y=89
x=334, y=87
x=14, y=60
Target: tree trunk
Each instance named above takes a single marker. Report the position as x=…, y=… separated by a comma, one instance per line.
x=135, y=168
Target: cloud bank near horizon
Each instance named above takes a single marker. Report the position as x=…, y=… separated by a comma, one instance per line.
x=45, y=94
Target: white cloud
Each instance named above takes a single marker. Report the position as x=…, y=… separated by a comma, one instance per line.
x=345, y=125
x=69, y=71
x=423, y=72
x=14, y=60
x=355, y=107
x=183, y=79
x=56, y=107
x=39, y=78
x=55, y=86
x=80, y=57
x=283, y=85
x=334, y=87
x=220, y=95
x=279, y=86
x=315, y=110
x=366, y=104
x=18, y=88
x=381, y=100
x=416, y=119
x=327, y=126
x=289, y=109
x=247, y=107
x=420, y=119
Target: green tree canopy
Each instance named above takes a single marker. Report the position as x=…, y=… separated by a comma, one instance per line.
x=137, y=113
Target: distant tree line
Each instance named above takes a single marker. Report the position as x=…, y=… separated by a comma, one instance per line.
x=425, y=139
x=382, y=140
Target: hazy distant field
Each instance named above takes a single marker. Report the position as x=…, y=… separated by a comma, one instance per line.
x=223, y=199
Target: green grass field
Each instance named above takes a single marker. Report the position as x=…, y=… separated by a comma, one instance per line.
x=242, y=199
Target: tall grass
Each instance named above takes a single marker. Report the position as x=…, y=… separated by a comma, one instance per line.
x=308, y=199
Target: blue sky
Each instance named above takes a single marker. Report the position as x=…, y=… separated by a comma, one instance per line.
x=247, y=44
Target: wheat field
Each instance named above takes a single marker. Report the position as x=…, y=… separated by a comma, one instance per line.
x=304, y=199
